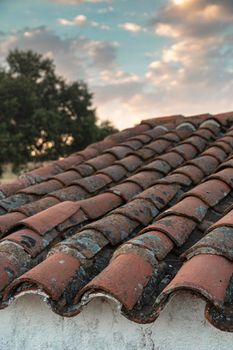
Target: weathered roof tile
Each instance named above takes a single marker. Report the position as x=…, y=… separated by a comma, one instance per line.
x=133, y=216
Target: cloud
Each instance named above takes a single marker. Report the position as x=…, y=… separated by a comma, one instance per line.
x=167, y=30
x=199, y=55
x=79, y=2
x=102, y=53
x=75, y=58
x=118, y=76
x=77, y=21
x=81, y=20
x=100, y=25
x=131, y=27
x=106, y=9
x=193, y=18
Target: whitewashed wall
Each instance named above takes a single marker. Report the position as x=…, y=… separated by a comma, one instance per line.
x=29, y=324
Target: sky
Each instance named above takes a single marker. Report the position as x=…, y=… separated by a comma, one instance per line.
x=140, y=58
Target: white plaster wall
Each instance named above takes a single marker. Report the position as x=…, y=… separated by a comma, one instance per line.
x=29, y=324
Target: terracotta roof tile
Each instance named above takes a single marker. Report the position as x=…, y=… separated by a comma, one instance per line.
x=119, y=151
x=9, y=220
x=37, y=206
x=158, y=130
x=205, y=274
x=163, y=120
x=43, y=188
x=205, y=134
x=217, y=153
x=206, y=164
x=218, y=241
x=60, y=269
x=116, y=172
x=153, y=240
x=184, y=130
x=131, y=272
x=101, y=161
x=32, y=242
x=93, y=183
x=191, y=171
x=82, y=170
x=145, y=178
x=190, y=207
x=144, y=138
x=133, y=216
x=131, y=163
x=56, y=167
x=172, y=158
x=160, y=195
x=8, y=270
x=225, y=175
x=158, y=165
x=65, y=178
x=177, y=178
x=134, y=145
x=126, y=190
x=7, y=190
x=115, y=227
x=145, y=153
x=159, y=146
x=171, y=136
x=16, y=200
x=187, y=151
x=210, y=192
x=72, y=192
x=101, y=204
x=139, y=210
x=177, y=228
x=226, y=220
x=47, y=220
x=225, y=146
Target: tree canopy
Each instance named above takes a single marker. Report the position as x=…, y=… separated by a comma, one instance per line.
x=42, y=116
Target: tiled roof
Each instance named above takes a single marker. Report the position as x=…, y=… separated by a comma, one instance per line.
x=137, y=217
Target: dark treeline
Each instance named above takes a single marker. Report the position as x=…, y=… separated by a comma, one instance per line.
x=42, y=116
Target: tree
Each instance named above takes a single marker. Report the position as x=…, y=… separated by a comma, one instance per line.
x=42, y=116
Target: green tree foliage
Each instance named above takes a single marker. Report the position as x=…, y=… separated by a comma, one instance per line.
x=42, y=116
